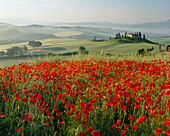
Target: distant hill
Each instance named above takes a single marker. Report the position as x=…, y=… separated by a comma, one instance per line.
x=83, y=30
x=23, y=21
x=34, y=25
x=5, y=24
x=163, y=24
x=98, y=24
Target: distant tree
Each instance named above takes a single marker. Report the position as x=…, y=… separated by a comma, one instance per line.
x=152, y=48
x=140, y=35
x=10, y=52
x=31, y=43
x=2, y=53
x=25, y=48
x=118, y=36
x=34, y=44
x=144, y=38
x=141, y=51
x=159, y=48
x=38, y=44
x=94, y=39
x=167, y=47
x=82, y=48
x=136, y=35
x=110, y=38
x=17, y=49
x=125, y=34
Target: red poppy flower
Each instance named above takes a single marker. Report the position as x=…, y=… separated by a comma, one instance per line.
x=24, y=99
x=113, y=126
x=119, y=122
x=96, y=132
x=141, y=120
x=5, y=99
x=59, y=96
x=84, y=124
x=13, y=90
x=18, y=130
x=131, y=117
x=166, y=132
x=167, y=122
x=61, y=123
x=124, y=132
x=27, y=114
x=2, y=114
x=126, y=126
x=23, y=118
x=161, y=112
x=158, y=131
x=47, y=123
x=135, y=127
x=115, y=98
x=46, y=111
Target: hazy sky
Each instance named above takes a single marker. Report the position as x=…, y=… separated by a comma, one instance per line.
x=118, y=11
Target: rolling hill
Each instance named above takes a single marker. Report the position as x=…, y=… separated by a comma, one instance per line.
x=59, y=46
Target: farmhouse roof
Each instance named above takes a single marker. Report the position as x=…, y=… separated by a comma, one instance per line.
x=131, y=34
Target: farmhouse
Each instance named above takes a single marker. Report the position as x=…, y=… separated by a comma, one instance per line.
x=132, y=35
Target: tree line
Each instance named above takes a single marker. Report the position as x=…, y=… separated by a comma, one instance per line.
x=20, y=50
x=137, y=37
x=14, y=51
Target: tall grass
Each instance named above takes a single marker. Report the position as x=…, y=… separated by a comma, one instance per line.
x=105, y=56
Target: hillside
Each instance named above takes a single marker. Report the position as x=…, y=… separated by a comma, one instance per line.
x=58, y=46
x=16, y=34
x=4, y=24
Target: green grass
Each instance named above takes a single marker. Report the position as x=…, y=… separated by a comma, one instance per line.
x=7, y=46
x=11, y=62
x=58, y=46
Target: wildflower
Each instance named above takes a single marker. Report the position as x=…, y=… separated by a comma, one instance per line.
x=141, y=120
x=119, y=122
x=158, y=131
x=2, y=114
x=18, y=130
x=124, y=132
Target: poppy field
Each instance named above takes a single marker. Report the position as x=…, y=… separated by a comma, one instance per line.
x=86, y=98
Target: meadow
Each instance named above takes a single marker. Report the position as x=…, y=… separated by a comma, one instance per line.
x=85, y=97
x=110, y=91
x=59, y=46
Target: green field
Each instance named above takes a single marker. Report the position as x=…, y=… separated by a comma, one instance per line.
x=59, y=46
x=11, y=62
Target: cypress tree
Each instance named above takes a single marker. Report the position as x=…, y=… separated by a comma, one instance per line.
x=144, y=38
